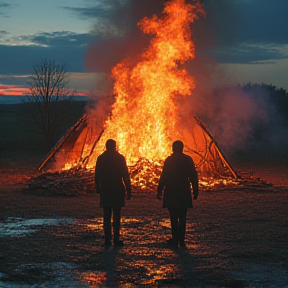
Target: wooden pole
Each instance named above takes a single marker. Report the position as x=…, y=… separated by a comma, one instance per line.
x=224, y=160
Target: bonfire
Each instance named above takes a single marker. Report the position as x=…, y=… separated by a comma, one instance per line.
x=145, y=117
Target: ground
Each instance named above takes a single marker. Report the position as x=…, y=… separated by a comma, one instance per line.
x=236, y=237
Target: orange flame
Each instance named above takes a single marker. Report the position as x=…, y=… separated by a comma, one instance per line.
x=144, y=115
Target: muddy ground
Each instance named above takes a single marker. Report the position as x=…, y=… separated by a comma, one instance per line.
x=235, y=238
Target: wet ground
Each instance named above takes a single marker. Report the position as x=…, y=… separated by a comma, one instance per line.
x=235, y=238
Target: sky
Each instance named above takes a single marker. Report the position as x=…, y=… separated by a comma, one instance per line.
x=242, y=40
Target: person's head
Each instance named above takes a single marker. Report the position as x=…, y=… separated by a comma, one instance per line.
x=177, y=146
x=111, y=145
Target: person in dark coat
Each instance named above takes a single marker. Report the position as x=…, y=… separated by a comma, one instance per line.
x=177, y=174
x=112, y=182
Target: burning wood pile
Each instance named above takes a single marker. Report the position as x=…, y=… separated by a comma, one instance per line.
x=80, y=181
x=144, y=119
x=73, y=182
x=145, y=175
x=144, y=178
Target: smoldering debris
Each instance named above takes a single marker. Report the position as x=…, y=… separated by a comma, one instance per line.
x=78, y=182
x=73, y=182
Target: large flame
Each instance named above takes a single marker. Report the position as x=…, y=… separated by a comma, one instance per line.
x=145, y=117
x=145, y=114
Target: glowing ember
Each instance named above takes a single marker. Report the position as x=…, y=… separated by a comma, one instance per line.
x=144, y=116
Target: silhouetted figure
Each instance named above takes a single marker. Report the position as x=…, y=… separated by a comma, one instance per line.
x=177, y=174
x=112, y=181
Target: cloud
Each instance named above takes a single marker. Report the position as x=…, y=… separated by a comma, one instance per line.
x=99, y=10
x=102, y=14
x=20, y=59
x=242, y=21
x=63, y=38
x=115, y=18
x=244, y=31
x=265, y=21
x=247, y=53
x=45, y=39
x=117, y=34
x=22, y=52
x=4, y=5
x=13, y=80
x=81, y=82
x=240, y=31
x=3, y=34
x=12, y=90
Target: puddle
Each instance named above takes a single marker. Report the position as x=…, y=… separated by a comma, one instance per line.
x=58, y=274
x=262, y=274
x=20, y=227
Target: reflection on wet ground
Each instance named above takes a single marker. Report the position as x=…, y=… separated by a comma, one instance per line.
x=15, y=226
x=81, y=260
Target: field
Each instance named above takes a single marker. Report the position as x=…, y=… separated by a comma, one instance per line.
x=235, y=237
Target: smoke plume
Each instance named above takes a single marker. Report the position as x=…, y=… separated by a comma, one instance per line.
x=232, y=115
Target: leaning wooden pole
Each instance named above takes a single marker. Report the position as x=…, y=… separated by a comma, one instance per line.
x=84, y=161
x=224, y=160
x=61, y=141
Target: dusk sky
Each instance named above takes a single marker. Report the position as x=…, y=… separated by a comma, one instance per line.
x=248, y=39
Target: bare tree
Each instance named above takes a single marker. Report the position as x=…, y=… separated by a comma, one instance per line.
x=49, y=97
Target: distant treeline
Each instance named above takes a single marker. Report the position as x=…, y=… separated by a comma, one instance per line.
x=268, y=92
x=277, y=96
x=248, y=120
x=254, y=127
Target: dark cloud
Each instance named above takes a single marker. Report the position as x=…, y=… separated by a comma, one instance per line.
x=62, y=38
x=265, y=21
x=3, y=33
x=240, y=31
x=60, y=46
x=244, y=31
x=101, y=11
x=121, y=36
x=248, y=54
x=242, y=21
x=20, y=59
x=116, y=17
x=4, y=5
x=13, y=81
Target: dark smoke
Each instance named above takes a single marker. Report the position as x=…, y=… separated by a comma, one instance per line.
x=233, y=115
x=117, y=36
x=246, y=123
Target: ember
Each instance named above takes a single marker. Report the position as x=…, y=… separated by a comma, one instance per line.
x=145, y=174
x=73, y=182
